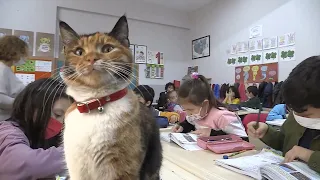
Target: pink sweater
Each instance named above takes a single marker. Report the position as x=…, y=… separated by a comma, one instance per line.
x=224, y=120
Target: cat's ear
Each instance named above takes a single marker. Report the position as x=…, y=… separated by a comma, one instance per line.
x=68, y=35
x=121, y=31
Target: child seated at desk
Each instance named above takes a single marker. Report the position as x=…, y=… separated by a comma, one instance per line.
x=232, y=96
x=279, y=111
x=173, y=105
x=30, y=139
x=145, y=95
x=205, y=115
x=253, y=99
x=299, y=137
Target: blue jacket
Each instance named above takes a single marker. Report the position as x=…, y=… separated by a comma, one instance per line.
x=278, y=112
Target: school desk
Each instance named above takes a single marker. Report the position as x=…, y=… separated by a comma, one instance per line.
x=199, y=163
x=244, y=112
x=170, y=171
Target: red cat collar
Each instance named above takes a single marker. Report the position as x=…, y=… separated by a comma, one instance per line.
x=86, y=107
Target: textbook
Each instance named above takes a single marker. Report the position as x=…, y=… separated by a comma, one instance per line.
x=268, y=165
x=187, y=141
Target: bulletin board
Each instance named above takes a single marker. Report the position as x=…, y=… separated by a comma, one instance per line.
x=35, y=68
x=257, y=73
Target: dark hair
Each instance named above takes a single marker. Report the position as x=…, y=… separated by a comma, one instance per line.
x=196, y=90
x=235, y=90
x=224, y=88
x=168, y=85
x=253, y=89
x=32, y=109
x=12, y=48
x=302, y=86
x=146, y=92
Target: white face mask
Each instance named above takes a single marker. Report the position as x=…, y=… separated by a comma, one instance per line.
x=20, y=62
x=194, y=117
x=310, y=123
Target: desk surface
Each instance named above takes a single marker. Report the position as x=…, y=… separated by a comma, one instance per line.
x=199, y=163
x=244, y=112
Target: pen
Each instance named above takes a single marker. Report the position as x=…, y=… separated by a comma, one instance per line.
x=231, y=155
x=256, y=126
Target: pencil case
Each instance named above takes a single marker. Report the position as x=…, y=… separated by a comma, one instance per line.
x=224, y=144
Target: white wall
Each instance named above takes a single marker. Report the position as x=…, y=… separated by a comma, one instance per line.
x=228, y=21
x=159, y=28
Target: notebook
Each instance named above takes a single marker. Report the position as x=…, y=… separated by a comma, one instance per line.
x=268, y=165
x=187, y=141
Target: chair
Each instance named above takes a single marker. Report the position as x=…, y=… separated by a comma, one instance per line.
x=253, y=117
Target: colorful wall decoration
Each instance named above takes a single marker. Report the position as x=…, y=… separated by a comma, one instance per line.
x=257, y=73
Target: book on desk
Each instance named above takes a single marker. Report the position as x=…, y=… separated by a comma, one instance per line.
x=268, y=165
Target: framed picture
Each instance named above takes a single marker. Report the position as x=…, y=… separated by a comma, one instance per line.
x=201, y=47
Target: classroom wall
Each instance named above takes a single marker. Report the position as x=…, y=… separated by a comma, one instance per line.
x=228, y=22
x=159, y=28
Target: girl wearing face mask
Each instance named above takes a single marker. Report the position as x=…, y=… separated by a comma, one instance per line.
x=299, y=136
x=30, y=139
x=12, y=52
x=205, y=115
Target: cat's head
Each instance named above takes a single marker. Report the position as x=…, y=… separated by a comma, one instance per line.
x=97, y=60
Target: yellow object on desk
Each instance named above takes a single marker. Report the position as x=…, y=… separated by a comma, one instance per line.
x=199, y=163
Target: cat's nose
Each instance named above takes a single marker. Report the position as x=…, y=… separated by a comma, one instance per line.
x=93, y=60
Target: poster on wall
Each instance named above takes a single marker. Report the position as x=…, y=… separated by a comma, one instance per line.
x=29, y=66
x=140, y=55
x=5, y=32
x=255, y=58
x=287, y=53
x=242, y=47
x=257, y=73
x=288, y=39
x=255, y=31
x=155, y=57
x=26, y=36
x=132, y=49
x=270, y=56
x=233, y=49
x=270, y=43
x=255, y=45
x=232, y=61
x=201, y=47
x=243, y=60
x=44, y=45
x=192, y=69
x=153, y=71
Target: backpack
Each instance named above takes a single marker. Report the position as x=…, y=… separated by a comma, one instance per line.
x=162, y=121
x=267, y=95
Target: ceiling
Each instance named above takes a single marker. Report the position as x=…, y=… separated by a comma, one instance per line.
x=181, y=5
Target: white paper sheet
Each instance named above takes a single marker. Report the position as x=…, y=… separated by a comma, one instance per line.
x=43, y=66
x=26, y=78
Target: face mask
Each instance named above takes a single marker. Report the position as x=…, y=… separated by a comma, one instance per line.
x=194, y=117
x=53, y=129
x=20, y=62
x=310, y=123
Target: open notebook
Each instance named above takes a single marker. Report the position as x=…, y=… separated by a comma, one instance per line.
x=187, y=141
x=268, y=165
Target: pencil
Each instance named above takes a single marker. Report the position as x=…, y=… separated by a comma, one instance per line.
x=256, y=126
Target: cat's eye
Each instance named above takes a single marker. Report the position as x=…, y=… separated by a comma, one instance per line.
x=107, y=48
x=79, y=51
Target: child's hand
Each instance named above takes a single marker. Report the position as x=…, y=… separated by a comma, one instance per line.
x=204, y=132
x=257, y=133
x=173, y=119
x=298, y=152
x=177, y=128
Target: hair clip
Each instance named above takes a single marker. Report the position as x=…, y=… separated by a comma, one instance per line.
x=195, y=75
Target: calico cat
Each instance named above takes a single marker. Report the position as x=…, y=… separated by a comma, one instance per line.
x=108, y=134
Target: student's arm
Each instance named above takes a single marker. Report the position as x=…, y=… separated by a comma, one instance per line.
x=225, y=101
x=187, y=127
x=314, y=161
x=274, y=114
x=21, y=162
x=274, y=138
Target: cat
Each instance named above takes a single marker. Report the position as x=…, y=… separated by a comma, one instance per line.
x=108, y=134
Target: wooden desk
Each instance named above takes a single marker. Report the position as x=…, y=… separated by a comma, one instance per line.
x=198, y=163
x=170, y=171
x=244, y=112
